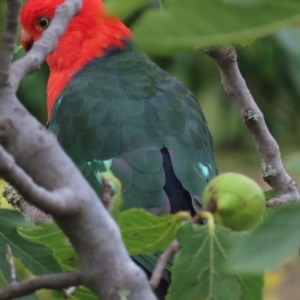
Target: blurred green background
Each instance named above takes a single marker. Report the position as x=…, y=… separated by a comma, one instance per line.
x=271, y=68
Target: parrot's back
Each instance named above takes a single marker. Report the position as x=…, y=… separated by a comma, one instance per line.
x=121, y=113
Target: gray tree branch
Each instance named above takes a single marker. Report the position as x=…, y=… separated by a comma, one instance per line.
x=9, y=39
x=59, y=201
x=54, y=282
x=273, y=171
x=33, y=59
x=29, y=211
x=105, y=264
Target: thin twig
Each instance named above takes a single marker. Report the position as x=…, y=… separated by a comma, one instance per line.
x=268, y=150
x=106, y=195
x=12, y=265
x=161, y=263
x=211, y=206
x=55, y=282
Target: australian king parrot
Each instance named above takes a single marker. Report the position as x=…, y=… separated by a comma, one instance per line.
x=112, y=108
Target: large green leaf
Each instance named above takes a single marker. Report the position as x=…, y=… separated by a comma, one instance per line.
x=144, y=233
x=29, y=297
x=200, y=268
x=50, y=235
x=270, y=243
x=184, y=25
x=38, y=259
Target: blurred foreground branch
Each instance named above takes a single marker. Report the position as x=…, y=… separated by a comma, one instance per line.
x=273, y=171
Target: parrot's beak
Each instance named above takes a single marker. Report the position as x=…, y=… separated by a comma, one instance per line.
x=26, y=40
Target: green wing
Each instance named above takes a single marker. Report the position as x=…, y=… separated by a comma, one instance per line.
x=118, y=112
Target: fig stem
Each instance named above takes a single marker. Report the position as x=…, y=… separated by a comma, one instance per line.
x=211, y=206
x=210, y=219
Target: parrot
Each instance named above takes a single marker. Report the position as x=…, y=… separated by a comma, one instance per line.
x=113, y=109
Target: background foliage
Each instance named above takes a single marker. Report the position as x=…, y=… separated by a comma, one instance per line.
x=270, y=66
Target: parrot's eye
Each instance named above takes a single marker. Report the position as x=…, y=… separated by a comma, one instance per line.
x=43, y=22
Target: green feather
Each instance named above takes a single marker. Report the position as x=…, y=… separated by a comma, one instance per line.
x=123, y=105
x=123, y=108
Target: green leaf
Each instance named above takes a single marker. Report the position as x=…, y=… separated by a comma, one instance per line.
x=29, y=297
x=49, y=234
x=38, y=259
x=144, y=233
x=182, y=26
x=200, y=268
x=82, y=293
x=270, y=243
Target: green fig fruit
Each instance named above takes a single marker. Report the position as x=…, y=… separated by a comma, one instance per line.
x=240, y=202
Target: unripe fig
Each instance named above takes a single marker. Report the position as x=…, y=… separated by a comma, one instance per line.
x=240, y=202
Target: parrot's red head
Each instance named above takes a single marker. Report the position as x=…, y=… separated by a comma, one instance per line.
x=89, y=34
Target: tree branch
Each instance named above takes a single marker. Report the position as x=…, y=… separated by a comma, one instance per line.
x=29, y=211
x=106, y=267
x=9, y=38
x=32, y=213
x=54, y=282
x=235, y=86
x=47, y=44
x=59, y=202
x=273, y=202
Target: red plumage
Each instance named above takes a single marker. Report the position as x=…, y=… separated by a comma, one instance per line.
x=88, y=35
